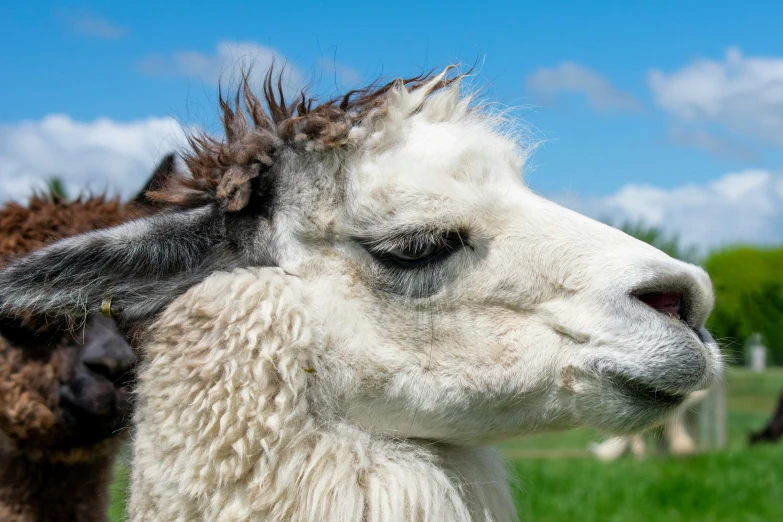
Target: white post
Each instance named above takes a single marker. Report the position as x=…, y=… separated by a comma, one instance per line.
x=721, y=435
x=758, y=358
x=756, y=353
x=712, y=419
x=704, y=421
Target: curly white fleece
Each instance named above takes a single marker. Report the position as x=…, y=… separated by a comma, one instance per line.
x=225, y=431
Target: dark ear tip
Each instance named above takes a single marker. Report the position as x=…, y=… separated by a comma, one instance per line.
x=158, y=179
x=167, y=164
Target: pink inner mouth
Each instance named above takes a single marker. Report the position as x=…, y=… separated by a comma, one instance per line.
x=664, y=302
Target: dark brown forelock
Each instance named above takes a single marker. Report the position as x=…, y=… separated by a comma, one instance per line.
x=223, y=170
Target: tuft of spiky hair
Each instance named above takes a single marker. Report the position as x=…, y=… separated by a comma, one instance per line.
x=231, y=169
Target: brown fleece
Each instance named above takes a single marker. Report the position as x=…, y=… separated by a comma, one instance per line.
x=28, y=396
x=46, y=219
x=38, y=491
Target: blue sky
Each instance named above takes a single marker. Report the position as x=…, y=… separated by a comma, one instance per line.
x=661, y=95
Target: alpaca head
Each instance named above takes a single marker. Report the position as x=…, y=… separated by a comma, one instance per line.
x=65, y=390
x=451, y=302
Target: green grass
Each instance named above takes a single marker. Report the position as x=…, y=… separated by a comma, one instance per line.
x=731, y=486
x=735, y=485
x=119, y=490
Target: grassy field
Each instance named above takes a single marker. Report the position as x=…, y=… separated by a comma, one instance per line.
x=559, y=481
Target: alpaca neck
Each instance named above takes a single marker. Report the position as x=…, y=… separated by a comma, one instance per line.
x=481, y=476
x=39, y=490
x=334, y=473
x=389, y=479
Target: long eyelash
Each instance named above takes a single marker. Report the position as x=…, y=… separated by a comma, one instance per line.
x=402, y=241
x=380, y=246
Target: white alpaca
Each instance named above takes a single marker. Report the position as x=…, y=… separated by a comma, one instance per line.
x=412, y=304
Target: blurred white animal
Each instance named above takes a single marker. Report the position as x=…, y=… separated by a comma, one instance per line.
x=673, y=430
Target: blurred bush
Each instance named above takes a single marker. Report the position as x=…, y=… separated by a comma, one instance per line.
x=749, y=290
x=57, y=188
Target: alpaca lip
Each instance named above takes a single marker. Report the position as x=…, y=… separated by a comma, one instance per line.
x=645, y=392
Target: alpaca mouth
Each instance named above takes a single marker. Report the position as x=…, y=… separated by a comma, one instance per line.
x=640, y=391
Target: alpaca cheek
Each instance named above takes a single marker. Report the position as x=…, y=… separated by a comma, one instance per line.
x=240, y=390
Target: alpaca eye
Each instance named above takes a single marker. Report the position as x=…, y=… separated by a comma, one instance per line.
x=418, y=252
x=415, y=253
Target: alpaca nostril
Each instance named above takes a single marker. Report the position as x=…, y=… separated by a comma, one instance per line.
x=106, y=368
x=676, y=289
x=115, y=370
x=669, y=303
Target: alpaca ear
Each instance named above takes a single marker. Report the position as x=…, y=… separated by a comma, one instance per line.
x=165, y=169
x=139, y=266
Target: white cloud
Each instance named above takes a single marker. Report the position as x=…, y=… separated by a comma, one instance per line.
x=90, y=24
x=225, y=64
x=342, y=74
x=569, y=77
x=229, y=59
x=742, y=207
x=712, y=143
x=742, y=94
x=99, y=155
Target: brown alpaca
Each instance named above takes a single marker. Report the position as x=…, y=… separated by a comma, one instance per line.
x=773, y=430
x=64, y=392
